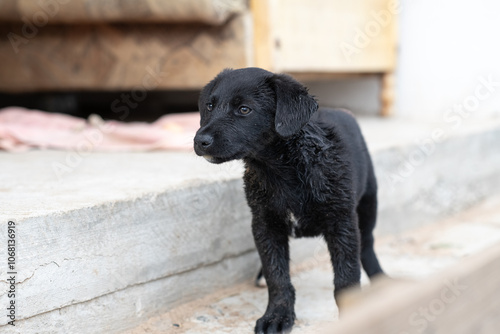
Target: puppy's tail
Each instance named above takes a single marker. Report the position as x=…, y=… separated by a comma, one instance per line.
x=260, y=280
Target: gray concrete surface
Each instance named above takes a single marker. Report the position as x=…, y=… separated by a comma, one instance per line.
x=413, y=255
x=110, y=236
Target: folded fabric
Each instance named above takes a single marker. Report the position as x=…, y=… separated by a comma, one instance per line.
x=22, y=129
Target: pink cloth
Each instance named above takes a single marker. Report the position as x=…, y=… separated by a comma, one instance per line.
x=22, y=129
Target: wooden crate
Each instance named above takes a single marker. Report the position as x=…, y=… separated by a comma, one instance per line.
x=324, y=39
x=82, y=47
x=325, y=36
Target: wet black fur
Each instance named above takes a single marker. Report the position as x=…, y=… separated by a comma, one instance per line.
x=301, y=160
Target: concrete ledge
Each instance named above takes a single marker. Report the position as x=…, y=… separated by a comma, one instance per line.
x=128, y=307
x=122, y=237
x=423, y=181
x=76, y=256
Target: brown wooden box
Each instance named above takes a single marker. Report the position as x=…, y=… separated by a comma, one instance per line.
x=182, y=44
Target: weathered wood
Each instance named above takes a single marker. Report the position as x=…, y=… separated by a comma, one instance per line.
x=262, y=42
x=462, y=300
x=119, y=57
x=92, y=11
x=333, y=36
x=312, y=38
x=387, y=94
x=321, y=39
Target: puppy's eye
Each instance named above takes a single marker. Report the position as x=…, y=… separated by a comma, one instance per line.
x=244, y=110
x=210, y=106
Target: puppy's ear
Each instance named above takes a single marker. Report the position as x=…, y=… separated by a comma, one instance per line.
x=294, y=105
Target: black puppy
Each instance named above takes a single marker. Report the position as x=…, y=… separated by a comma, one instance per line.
x=308, y=173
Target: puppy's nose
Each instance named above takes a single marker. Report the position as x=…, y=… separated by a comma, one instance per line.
x=203, y=141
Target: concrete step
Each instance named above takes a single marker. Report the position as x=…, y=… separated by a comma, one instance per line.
x=119, y=238
x=412, y=255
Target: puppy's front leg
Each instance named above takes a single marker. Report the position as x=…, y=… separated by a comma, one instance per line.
x=271, y=239
x=342, y=239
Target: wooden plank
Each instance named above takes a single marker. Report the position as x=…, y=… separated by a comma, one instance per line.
x=262, y=41
x=326, y=76
x=119, y=57
x=387, y=93
x=109, y=11
x=333, y=35
x=462, y=300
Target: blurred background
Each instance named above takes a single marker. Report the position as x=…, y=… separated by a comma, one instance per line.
x=122, y=229
x=412, y=59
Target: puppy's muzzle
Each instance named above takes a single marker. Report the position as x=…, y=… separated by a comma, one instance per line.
x=202, y=142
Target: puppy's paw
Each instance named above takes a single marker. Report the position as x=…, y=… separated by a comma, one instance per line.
x=276, y=321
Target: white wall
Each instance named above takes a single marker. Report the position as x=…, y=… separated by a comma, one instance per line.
x=446, y=46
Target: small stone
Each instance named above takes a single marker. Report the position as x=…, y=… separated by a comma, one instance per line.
x=202, y=318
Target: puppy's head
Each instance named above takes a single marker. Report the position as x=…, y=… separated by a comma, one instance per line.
x=244, y=110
